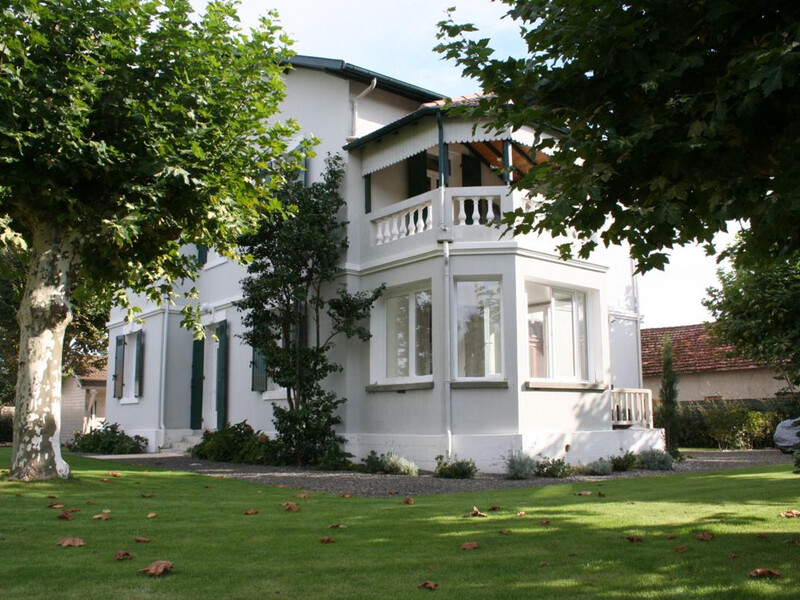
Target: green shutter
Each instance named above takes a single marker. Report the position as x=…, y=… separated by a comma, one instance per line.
x=202, y=254
x=119, y=365
x=196, y=409
x=470, y=171
x=258, y=379
x=418, y=174
x=137, y=375
x=222, y=374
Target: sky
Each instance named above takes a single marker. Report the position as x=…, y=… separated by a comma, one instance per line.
x=396, y=38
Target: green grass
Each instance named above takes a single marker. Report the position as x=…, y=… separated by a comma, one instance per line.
x=389, y=548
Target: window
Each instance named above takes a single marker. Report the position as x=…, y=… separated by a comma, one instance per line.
x=557, y=347
x=408, y=335
x=260, y=382
x=135, y=365
x=479, y=329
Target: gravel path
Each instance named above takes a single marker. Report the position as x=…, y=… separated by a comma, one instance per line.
x=364, y=484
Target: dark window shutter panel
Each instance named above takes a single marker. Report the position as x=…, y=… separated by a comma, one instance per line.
x=196, y=410
x=139, y=371
x=222, y=374
x=470, y=171
x=418, y=174
x=258, y=381
x=119, y=365
x=202, y=254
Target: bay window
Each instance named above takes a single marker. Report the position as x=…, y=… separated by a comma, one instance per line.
x=479, y=328
x=409, y=348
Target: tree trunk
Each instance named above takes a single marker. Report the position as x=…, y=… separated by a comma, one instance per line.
x=43, y=315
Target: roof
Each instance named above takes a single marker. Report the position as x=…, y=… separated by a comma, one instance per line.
x=343, y=69
x=692, y=349
x=93, y=377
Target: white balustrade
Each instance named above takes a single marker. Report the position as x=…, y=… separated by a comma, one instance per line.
x=405, y=222
x=476, y=210
x=631, y=408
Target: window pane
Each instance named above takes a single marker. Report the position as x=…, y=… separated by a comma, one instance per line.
x=397, y=337
x=423, y=341
x=564, y=335
x=580, y=324
x=537, y=341
x=479, y=339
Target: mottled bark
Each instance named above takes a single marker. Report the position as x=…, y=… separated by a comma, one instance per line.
x=43, y=315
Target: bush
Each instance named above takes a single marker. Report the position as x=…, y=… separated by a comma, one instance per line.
x=623, y=463
x=655, y=460
x=553, y=467
x=740, y=428
x=391, y=463
x=455, y=468
x=601, y=466
x=519, y=465
x=238, y=443
x=6, y=424
x=796, y=455
x=109, y=439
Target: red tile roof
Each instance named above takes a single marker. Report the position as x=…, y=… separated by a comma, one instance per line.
x=692, y=351
x=93, y=377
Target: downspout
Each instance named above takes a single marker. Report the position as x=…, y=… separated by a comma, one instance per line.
x=369, y=89
x=162, y=383
x=447, y=392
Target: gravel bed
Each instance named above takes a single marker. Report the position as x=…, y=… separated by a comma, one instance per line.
x=365, y=484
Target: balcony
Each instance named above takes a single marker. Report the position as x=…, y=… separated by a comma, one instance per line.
x=631, y=409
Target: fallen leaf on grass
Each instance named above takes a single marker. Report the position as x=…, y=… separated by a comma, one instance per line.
x=205, y=487
x=469, y=545
x=634, y=539
x=158, y=568
x=345, y=495
x=123, y=555
x=280, y=486
x=52, y=496
x=105, y=479
x=74, y=510
x=73, y=542
x=764, y=573
x=114, y=473
x=328, y=540
x=791, y=513
x=733, y=555
x=337, y=526
x=428, y=585
x=55, y=505
x=681, y=548
x=544, y=522
x=475, y=513
x=408, y=500
x=761, y=535
x=303, y=496
x=251, y=511
x=583, y=493
x=147, y=495
x=544, y=563
x=601, y=494
x=705, y=537
x=141, y=540
x=672, y=536
x=290, y=507
x=89, y=502
x=494, y=507
x=106, y=511
x=505, y=532
x=101, y=517
x=152, y=515
x=66, y=515
x=521, y=513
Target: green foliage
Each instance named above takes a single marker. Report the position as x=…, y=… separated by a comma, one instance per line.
x=390, y=463
x=455, y=468
x=757, y=312
x=286, y=297
x=741, y=428
x=669, y=396
x=601, y=466
x=655, y=460
x=109, y=439
x=519, y=465
x=6, y=424
x=626, y=462
x=238, y=443
x=796, y=456
x=666, y=120
x=556, y=468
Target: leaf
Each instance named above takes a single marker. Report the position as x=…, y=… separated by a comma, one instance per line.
x=66, y=515
x=55, y=505
x=734, y=555
x=123, y=555
x=544, y=563
x=114, y=474
x=337, y=526
x=303, y=496
x=494, y=508
x=681, y=548
x=428, y=585
x=475, y=513
x=205, y=487
x=789, y=514
x=544, y=522
x=106, y=511
x=762, y=535
x=105, y=479
x=152, y=515
x=74, y=510
x=53, y=496
x=328, y=540
x=158, y=568
x=73, y=542
x=141, y=540
x=290, y=507
x=672, y=536
x=280, y=486
x=505, y=532
x=521, y=513
x=705, y=537
x=583, y=493
x=601, y=494
x=89, y=502
x=764, y=573
x=469, y=546
x=345, y=495
x=408, y=500
x=634, y=539
x=147, y=495
x=251, y=511
x=101, y=517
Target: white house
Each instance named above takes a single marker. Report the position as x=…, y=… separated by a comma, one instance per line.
x=481, y=343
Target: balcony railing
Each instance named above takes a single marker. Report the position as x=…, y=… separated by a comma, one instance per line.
x=631, y=408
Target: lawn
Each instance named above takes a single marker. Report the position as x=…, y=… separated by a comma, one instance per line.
x=564, y=546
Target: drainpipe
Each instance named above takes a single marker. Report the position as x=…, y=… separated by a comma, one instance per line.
x=162, y=381
x=369, y=89
x=447, y=392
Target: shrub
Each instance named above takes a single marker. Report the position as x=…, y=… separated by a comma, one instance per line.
x=6, y=424
x=655, y=460
x=740, y=428
x=109, y=439
x=455, y=468
x=796, y=455
x=519, y=465
x=226, y=444
x=623, y=463
x=391, y=463
x=601, y=466
x=553, y=467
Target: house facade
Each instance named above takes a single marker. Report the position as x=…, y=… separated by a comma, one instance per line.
x=480, y=344
x=83, y=403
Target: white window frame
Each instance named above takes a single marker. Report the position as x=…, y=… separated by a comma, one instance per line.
x=129, y=365
x=379, y=329
x=550, y=334
x=501, y=375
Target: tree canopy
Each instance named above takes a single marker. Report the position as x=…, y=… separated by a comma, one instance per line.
x=664, y=121
x=127, y=130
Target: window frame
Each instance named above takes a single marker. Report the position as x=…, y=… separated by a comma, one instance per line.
x=456, y=357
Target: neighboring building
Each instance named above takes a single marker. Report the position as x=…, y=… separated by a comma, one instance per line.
x=705, y=370
x=481, y=343
x=83, y=403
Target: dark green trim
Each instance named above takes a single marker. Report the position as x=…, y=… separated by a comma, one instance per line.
x=138, y=370
x=367, y=193
x=202, y=254
x=221, y=331
x=392, y=127
x=521, y=150
x=196, y=385
x=444, y=156
x=119, y=365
